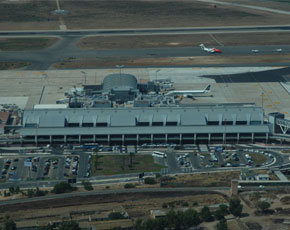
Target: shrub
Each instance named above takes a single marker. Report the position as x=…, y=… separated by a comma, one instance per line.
x=129, y=185
x=236, y=207
x=206, y=214
x=164, y=205
x=150, y=180
x=185, y=204
x=263, y=205
x=62, y=187
x=87, y=185
x=116, y=216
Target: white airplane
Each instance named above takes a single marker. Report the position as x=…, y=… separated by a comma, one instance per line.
x=209, y=50
x=188, y=93
x=278, y=50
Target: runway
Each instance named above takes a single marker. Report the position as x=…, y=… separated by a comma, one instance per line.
x=149, y=31
x=66, y=48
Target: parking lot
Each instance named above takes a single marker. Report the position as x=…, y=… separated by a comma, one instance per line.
x=187, y=160
x=55, y=167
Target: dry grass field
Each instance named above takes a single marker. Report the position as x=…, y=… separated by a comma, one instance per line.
x=125, y=42
x=169, y=61
x=94, y=14
x=22, y=44
x=222, y=179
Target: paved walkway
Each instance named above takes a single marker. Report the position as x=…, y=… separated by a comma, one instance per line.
x=281, y=176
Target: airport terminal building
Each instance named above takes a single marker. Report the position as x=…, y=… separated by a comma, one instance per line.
x=225, y=123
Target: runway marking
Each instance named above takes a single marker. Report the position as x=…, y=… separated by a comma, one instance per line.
x=268, y=106
x=277, y=102
x=285, y=112
x=20, y=73
x=216, y=40
x=270, y=92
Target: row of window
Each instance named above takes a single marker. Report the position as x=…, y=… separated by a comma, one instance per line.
x=104, y=124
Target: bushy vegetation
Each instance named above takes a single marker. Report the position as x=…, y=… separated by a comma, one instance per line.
x=87, y=185
x=150, y=180
x=63, y=187
x=35, y=192
x=173, y=220
x=129, y=185
x=236, y=207
x=116, y=216
x=9, y=224
x=263, y=205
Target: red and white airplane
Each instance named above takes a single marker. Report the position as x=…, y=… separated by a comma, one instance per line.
x=209, y=50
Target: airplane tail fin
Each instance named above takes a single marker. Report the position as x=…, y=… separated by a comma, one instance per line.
x=207, y=89
x=202, y=46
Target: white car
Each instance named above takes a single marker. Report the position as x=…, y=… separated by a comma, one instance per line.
x=278, y=50
x=255, y=51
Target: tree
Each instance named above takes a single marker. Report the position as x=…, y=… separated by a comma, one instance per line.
x=222, y=225
x=129, y=185
x=9, y=224
x=224, y=209
x=62, y=187
x=138, y=225
x=236, y=207
x=17, y=189
x=206, y=214
x=71, y=225
x=11, y=190
x=263, y=205
x=218, y=215
x=221, y=212
x=191, y=218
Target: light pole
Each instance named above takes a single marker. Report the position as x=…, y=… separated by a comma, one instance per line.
x=156, y=74
x=262, y=95
x=85, y=76
x=120, y=69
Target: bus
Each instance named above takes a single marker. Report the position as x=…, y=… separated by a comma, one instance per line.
x=159, y=154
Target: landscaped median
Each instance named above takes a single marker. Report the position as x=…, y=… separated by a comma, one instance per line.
x=123, y=164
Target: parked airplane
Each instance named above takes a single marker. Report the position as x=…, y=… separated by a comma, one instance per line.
x=188, y=93
x=209, y=50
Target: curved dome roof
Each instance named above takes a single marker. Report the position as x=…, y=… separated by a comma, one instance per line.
x=115, y=81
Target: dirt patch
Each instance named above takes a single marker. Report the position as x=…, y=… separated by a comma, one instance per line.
x=285, y=200
x=253, y=226
x=22, y=44
x=140, y=13
x=253, y=39
x=172, y=61
x=100, y=199
x=21, y=15
x=13, y=65
x=35, y=14
x=157, y=41
x=222, y=179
